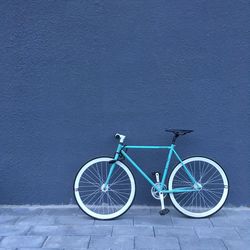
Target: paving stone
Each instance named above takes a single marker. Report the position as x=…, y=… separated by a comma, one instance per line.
x=231, y=226
x=32, y=248
x=8, y=230
x=74, y=220
x=71, y=230
x=244, y=233
x=138, y=211
x=8, y=219
x=72, y=211
x=133, y=231
x=4, y=210
x=179, y=232
x=118, y=221
x=156, y=243
x=202, y=244
x=36, y=220
x=75, y=248
x=22, y=241
x=21, y=211
x=48, y=230
x=217, y=232
x=115, y=248
x=173, y=212
x=237, y=244
x=232, y=212
x=1, y=248
x=123, y=242
x=190, y=222
x=153, y=220
x=230, y=220
x=91, y=230
x=67, y=242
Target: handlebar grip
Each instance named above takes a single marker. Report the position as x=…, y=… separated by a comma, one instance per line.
x=120, y=137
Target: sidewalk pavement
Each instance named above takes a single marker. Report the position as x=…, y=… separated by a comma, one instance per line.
x=67, y=227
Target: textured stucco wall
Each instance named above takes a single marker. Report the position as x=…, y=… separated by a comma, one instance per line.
x=72, y=73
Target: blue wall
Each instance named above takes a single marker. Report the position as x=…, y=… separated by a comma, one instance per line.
x=72, y=73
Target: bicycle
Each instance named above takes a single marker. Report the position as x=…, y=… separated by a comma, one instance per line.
x=104, y=187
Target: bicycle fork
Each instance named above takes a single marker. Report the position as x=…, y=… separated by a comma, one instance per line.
x=112, y=162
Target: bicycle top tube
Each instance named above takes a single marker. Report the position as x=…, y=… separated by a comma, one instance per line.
x=150, y=147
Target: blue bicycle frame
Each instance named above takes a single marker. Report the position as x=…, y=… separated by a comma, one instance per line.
x=159, y=188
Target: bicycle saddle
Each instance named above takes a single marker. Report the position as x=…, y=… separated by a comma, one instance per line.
x=179, y=131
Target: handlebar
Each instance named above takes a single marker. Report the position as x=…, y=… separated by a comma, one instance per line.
x=120, y=137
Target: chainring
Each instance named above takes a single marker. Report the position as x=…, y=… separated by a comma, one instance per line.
x=155, y=193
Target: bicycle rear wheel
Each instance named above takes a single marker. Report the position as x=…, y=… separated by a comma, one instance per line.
x=97, y=202
x=209, y=198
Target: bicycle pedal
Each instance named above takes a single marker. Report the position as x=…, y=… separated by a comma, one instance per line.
x=164, y=211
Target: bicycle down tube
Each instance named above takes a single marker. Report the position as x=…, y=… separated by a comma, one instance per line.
x=171, y=151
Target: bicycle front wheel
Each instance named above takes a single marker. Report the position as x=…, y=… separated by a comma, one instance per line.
x=206, y=200
x=104, y=203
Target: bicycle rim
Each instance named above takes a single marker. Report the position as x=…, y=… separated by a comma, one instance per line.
x=210, y=198
x=111, y=202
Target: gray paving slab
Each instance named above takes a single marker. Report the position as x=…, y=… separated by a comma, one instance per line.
x=71, y=230
x=36, y=220
x=202, y=244
x=76, y=249
x=4, y=210
x=153, y=220
x=64, y=211
x=49, y=230
x=8, y=230
x=22, y=241
x=138, y=211
x=73, y=220
x=231, y=218
x=178, y=232
x=20, y=211
x=32, y=248
x=244, y=233
x=217, y=232
x=230, y=221
x=67, y=242
x=8, y=219
x=91, y=230
x=237, y=244
x=237, y=212
x=190, y=222
x=118, y=221
x=133, y=231
x=226, y=229
x=122, y=242
x=156, y=243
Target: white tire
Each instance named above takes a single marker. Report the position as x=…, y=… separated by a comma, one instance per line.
x=111, y=202
x=210, y=198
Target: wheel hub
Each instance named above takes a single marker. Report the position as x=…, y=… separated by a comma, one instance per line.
x=197, y=186
x=104, y=189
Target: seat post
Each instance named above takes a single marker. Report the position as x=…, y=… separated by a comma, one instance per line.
x=174, y=138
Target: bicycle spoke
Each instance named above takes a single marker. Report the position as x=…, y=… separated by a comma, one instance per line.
x=204, y=199
x=106, y=200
